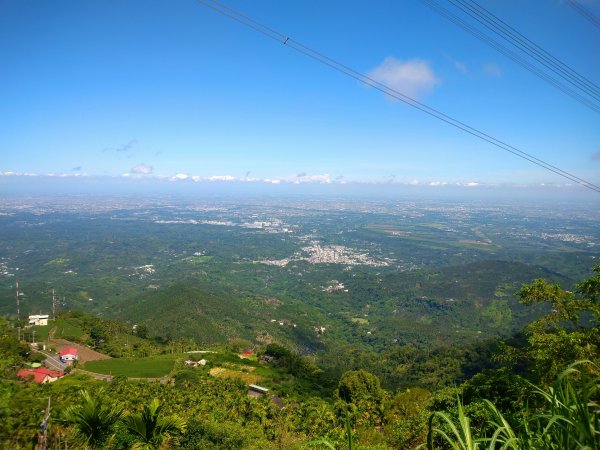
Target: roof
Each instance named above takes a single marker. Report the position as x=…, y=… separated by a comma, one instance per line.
x=47, y=371
x=38, y=374
x=257, y=388
x=39, y=316
x=68, y=351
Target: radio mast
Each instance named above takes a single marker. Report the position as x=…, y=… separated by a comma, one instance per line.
x=53, y=304
x=18, y=309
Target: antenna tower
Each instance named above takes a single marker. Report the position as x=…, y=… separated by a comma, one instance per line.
x=18, y=309
x=53, y=304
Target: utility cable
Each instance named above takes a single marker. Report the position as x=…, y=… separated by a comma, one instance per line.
x=365, y=79
x=504, y=30
x=454, y=18
x=444, y=12
x=586, y=13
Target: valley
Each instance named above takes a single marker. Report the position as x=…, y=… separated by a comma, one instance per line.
x=419, y=301
x=318, y=276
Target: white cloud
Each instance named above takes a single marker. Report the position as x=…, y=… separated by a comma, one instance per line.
x=461, y=67
x=492, y=70
x=221, y=178
x=19, y=174
x=413, y=78
x=458, y=65
x=304, y=178
x=179, y=177
x=142, y=169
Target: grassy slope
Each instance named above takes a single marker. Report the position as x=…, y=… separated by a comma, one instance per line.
x=152, y=367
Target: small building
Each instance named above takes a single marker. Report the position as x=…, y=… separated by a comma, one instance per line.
x=68, y=355
x=259, y=389
x=192, y=363
x=256, y=391
x=39, y=375
x=38, y=319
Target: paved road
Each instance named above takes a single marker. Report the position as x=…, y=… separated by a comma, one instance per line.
x=55, y=364
x=52, y=362
x=97, y=376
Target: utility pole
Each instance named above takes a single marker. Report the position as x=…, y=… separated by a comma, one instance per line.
x=43, y=436
x=53, y=304
x=18, y=310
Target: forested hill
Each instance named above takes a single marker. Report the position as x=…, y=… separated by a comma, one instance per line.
x=539, y=389
x=424, y=308
x=210, y=315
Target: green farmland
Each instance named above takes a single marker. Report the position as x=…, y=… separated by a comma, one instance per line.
x=153, y=367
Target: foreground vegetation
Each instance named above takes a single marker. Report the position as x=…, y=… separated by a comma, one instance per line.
x=541, y=390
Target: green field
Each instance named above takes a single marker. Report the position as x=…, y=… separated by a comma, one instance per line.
x=41, y=332
x=152, y=367
x=66, y=329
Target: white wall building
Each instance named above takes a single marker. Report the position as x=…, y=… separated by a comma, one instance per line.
x=38, y=319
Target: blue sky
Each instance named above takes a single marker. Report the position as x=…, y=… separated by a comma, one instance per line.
x=171, y=91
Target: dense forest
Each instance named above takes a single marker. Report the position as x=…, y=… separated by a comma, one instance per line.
x=535, y=389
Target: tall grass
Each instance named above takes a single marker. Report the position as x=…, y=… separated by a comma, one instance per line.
x=572, y=415
x=568, y=419
x=460, y=436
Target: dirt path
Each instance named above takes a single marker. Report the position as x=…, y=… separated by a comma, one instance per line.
x=85, y=354
x=97, y=376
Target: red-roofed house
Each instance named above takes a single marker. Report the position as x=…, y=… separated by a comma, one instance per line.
x=39, y=375
x=68, y=355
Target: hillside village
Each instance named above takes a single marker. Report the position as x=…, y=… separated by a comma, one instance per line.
x=61, y=357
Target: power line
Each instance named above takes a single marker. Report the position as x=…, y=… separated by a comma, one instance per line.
x=504, y=30
x=510, y=54
x=577, y=86
x=586, y=13
x=346, y=70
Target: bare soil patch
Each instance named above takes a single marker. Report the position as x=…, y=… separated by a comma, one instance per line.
x=85, y=353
